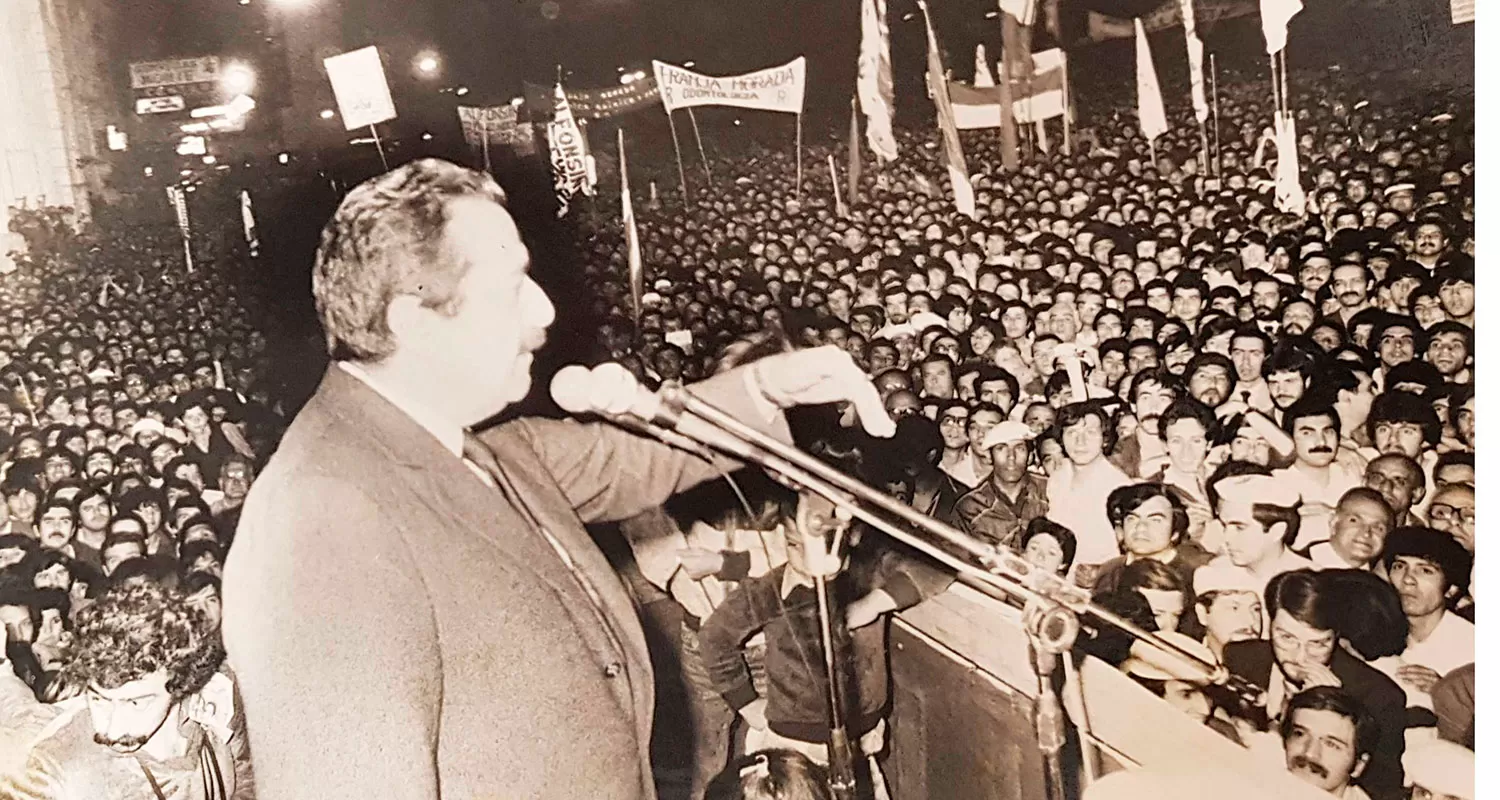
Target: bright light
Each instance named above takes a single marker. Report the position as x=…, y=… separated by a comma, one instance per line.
x=991, y=14
x=517, y=101
x=284, y=158
x=461, y=91
x=326, y=113
x=426, y=137
x=186, y=173
x=238, y=78
x=427, y=63
x=640, y=74
x=689, y=64
x=210, y=160
x=627, y=79
x=149, y=171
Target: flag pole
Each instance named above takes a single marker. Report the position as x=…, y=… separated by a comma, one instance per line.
x=701, y=154
x=838, y=197
x=486, y=145
x=677, y=148
x=379, y=148
x=799, y=156
x=1067, y=108
x=1213, y=67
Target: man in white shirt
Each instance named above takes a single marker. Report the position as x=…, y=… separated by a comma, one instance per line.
x=1260, y=520
x=1316, y=474
x=1430, y=571
x=1361, y=523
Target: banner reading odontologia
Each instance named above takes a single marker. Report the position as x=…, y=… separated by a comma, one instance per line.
x=774, y=89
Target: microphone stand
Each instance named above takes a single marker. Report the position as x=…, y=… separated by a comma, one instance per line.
x=996, y=572
x=841, y=775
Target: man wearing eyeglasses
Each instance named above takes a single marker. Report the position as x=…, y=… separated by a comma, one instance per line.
x=1304, y=652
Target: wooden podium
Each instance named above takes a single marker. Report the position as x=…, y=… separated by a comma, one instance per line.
x=962, y=727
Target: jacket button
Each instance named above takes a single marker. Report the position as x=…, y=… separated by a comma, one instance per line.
x=613, y=670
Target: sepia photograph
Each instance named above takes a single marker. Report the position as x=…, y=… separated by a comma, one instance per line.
x=753, y=400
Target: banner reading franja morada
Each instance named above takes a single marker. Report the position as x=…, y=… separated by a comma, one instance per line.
x=774, y=89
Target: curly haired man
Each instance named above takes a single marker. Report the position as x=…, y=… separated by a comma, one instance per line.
x=155, y=719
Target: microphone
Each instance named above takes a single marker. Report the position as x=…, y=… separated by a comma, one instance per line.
x=609, y=390
x=612, y=392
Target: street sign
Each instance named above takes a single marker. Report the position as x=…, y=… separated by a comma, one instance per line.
x=147, y=74
x=160, y=105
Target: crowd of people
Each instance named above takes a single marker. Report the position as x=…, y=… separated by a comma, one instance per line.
x=1248, y=429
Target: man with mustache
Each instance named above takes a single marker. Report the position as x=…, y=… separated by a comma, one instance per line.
x=1209, y=377
x=1351, y=287
x=1302, y=653
x=1143, y=452
x=1228, y=606
x=1327, y=738
x=156, y=718
x=1316, y=471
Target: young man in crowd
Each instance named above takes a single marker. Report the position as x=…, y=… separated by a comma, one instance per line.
x=1430, y=571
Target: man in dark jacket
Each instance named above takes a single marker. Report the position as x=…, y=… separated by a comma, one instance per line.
x=1304, y=652
x=415, y=611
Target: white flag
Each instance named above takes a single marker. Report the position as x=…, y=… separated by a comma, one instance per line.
x=874, y=86
x=983, y=78
x=632, y=235
x=1023, y=10
x=1290, y=199
x=247, y=217
x=1149, y=108
x=1275, y=15
x=1195, y=60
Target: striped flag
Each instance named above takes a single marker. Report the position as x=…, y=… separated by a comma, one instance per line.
x=1195, y=60
x=1149, y=107
x=632, y=236
x=953, y=150
x=876, y=92
x=979, y=107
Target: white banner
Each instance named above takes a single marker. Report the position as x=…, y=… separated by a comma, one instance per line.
x=570, y=168
x=175, y=72
x=774, y=89
x=359, y=86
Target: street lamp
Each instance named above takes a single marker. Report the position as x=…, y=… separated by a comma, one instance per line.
x=326, y=113
x=427, y=63
x=238, y=78
x=627, y=79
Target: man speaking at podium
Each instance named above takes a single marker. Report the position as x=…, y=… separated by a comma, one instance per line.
x=417, y=612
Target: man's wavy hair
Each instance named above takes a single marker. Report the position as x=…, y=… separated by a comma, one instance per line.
x=138, y=629
x=387, y=239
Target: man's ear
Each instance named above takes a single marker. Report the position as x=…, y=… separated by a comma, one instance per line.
x=402, y=315
x=1359, y=766
x=1419, y=492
